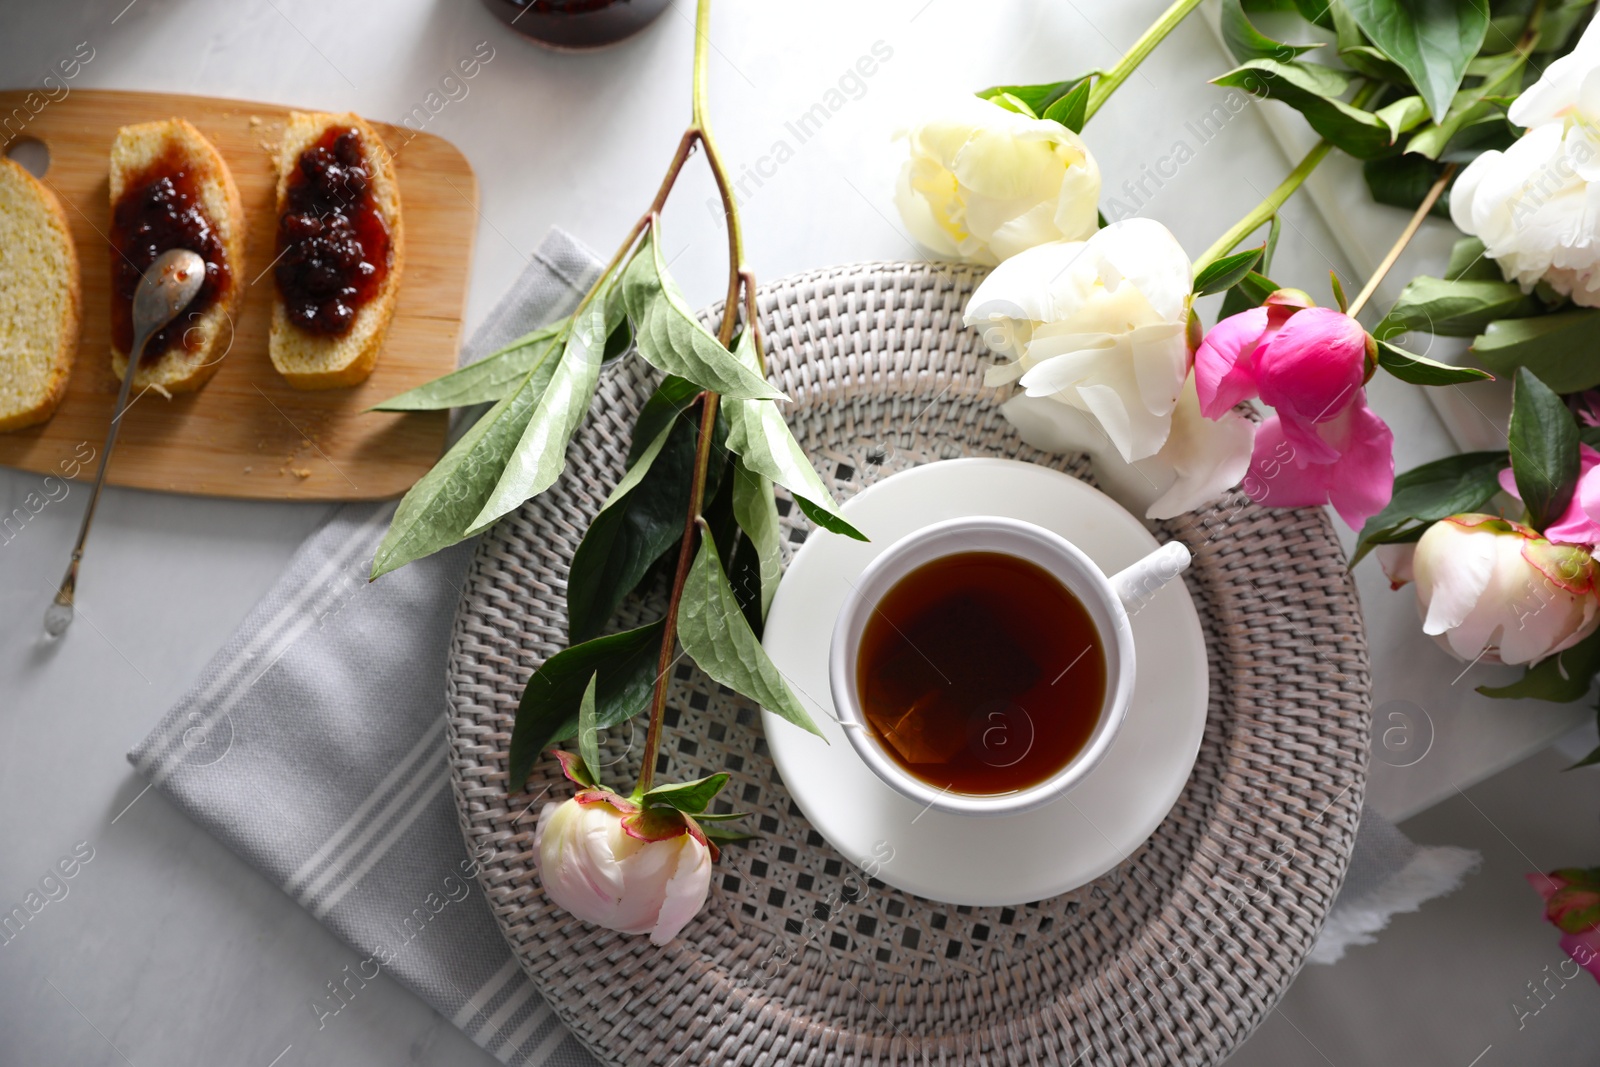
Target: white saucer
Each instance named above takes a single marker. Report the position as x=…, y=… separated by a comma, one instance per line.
x=997, y=860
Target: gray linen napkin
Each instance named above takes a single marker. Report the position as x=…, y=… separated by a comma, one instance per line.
x=313, y=746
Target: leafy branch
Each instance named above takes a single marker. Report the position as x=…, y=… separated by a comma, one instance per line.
x=698, y=493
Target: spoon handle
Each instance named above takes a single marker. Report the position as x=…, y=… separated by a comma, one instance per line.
x=60, y=612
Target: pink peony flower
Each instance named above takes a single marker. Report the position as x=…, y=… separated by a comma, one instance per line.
x=1572, y=904
x=1324, y=445
x=1579, y=524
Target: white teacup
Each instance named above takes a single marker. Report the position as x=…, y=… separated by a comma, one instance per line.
x=1109, y=602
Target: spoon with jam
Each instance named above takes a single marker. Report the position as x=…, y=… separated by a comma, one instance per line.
x=167, y=287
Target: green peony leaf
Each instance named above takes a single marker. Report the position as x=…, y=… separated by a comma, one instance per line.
x=1247, y=43
x=1037, y=98
x=1454, y=308
x=691, y=798
x=1012, y=103
x=440, y=509
x=1072, y=109
x=1420, y=370
x=624, y=665
x=541, y=452
x=1559, y=348
x=671, y=339
x=720, y=835
x=1227, y=272
x=1469, y=263
x=716, y=636
x=1555, y=27
x=1431, y=40
x=640, y=521
x=756, y=510
x=1273, y=229
x=1544, y=448
x=1561, y=678
x=758, y=434
x=1313, y=91
x=589, y=731
x=1315, y=12
x=1403, y=115
x=1472, y=109
x=494, y=377
x=1251, y=292
x=1424, y=495
x=1405, y=181
x=671, y=398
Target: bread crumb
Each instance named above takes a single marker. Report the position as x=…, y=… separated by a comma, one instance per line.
x=255, y=120
x=300, y=472
x=247, y=470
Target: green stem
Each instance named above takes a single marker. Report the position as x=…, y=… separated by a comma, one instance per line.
x=1279, y=196
x=1107, y=83
x=1264, y=210
x=739, y=278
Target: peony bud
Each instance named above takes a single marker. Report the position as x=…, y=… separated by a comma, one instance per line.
x=1323, y=445
x=607, y=862
x=1572, y=904
x=1493, y=589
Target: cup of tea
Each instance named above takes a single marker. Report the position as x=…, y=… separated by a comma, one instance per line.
x=983, y=665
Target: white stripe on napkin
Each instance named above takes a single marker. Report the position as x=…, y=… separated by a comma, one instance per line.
x=425, y=744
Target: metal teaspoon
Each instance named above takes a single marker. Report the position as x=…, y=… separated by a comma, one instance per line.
x=165, y=290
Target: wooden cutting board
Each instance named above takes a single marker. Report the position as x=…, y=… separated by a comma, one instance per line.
x=246, y=433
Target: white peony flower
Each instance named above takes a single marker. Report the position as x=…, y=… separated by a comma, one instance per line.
x=1096, y=325
x=1537, y=217
x=1495, y=590
x=594, y=868
x=1568, y=94
x=1201, y=459
x=1536, y=206
x=984, y=183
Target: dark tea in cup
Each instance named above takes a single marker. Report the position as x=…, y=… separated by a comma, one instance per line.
x=980, y=673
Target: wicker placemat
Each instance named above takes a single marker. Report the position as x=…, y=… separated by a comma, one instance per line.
x=799, y=957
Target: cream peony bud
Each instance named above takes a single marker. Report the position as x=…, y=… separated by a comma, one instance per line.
x=1493, y=589
x=598, y=870
x=984, y=183
x=1097, y=325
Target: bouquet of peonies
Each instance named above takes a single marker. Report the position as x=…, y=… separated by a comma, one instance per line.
x=1096, y=325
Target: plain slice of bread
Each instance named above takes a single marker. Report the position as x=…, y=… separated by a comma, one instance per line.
x=40, y=299
x=308, y=360
x=136, y=149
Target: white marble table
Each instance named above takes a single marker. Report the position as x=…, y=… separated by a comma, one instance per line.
x=168, y=950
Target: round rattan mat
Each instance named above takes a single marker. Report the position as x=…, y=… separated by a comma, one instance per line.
x=800, y=957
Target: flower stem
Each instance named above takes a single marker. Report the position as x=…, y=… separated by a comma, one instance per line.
x=1405, y=238
x=669, y=633
x=1266, y=209
x=738, y=277
x=1279, y=196
x=1107, y=83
